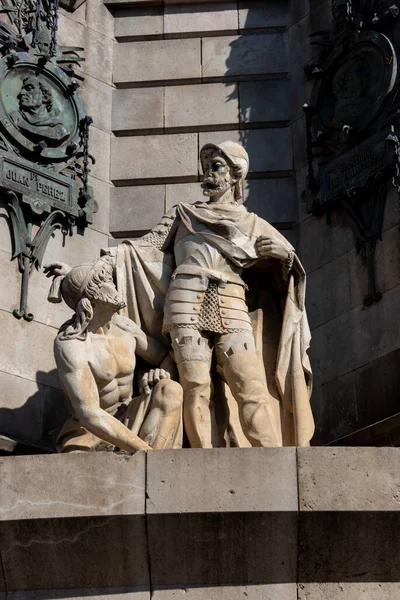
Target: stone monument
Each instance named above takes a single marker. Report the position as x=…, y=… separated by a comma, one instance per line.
x=227, y=291
x=96, y=355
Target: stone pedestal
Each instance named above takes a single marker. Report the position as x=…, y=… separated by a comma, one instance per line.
x=256, y=524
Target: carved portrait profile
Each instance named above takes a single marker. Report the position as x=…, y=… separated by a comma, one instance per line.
x=37, y=118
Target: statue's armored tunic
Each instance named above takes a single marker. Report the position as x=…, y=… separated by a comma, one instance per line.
x=207, y=292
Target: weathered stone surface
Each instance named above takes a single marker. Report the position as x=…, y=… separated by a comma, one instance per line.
x=299, y=143
x=154, y=156
x=136, y=208
x=263, y=101
x=56, y=410
x=116, y=486
x=134, y=109
x=99, y=18
x=182, y=192
x=27, y=353
x=334, y=406
x=284, y=591
x=297, y=10
x=228, y=482
x=157, y=60
x=199, y=105
x=256, y=14
x=320, y=243
x=21, y=408
x=351, y=498
x=356, y=338
x=133, y=22
x=98, y=47
x=198, y=18
x=81, y=516
x=189, y=546
x=100, y=146
x=328, y=291
x=378, y=389
x=348, y=479
x=97, y=96
x=271, y=199
x=108, y=593
x=245, y=55
x=269, y=149
x=10, y=290
x=77, y=250
x=349, y=590
x=387, y=267
x=101, y=193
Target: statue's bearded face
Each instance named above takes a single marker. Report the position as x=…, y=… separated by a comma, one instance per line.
x=217, y=174
x=107, y=295
x=31, y=95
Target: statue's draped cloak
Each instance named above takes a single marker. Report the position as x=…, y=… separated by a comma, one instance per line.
x=143, y=274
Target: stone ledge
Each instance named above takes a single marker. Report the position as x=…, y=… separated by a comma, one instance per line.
x=267, y=520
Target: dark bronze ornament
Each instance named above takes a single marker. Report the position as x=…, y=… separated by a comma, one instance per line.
x=44, y=133
x=353, y=121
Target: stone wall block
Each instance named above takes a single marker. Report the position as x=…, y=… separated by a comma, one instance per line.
x=355, y=338
x=157, y=60
x=351, y=498
x=97, y=96
x=101, y=193
x=269, y=149
x=200, y=105
x=134, y=22
x=378, y=389
x=104, y=484
x=108, y=593
x=189, y=546
x=320, y=243
x=154, y=156
x=27, y=353
x=328, y=292
x=271, y=199
x=77, y=250
x=265, y=101
x=21, y=409
x=100, y=148
x=334, y=407
x=39, y=285
x=227, y=485
x=98, y=48
x=136, y=208
x=182, y=192
x=337, y=591
x=245, y=55
x=198, y=18
x=80, y=515
x=387, y=267
x=134, y=109
x=256, y=14
x=99, y=18
x=277, y=591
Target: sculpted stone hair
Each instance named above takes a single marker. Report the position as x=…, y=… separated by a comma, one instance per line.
x=79, y=288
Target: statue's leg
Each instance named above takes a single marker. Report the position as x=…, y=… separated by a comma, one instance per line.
x=162, y=427
x=240, y=367
x=193, y=358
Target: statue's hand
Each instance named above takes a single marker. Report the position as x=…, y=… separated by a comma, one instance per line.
x=267, y=247
x=150, y=379
x=56, y=269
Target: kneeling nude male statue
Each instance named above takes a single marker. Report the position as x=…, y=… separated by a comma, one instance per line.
x=95, y=356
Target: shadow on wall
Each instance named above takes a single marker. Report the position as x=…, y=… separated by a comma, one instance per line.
x=36, y=423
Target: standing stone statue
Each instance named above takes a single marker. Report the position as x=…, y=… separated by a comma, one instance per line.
x=228, y=290
x=95, y=354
